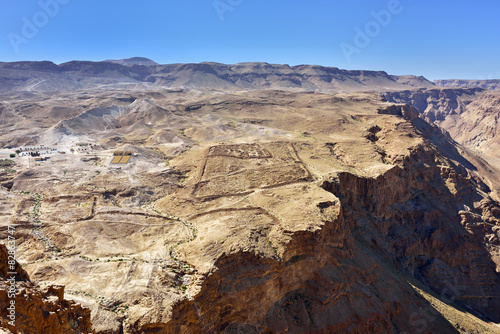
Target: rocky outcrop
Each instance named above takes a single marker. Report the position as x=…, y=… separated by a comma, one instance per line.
x=413, y=215
x=36, y=309
x=437, y=103
x=406, y=111
x=322, y=281
x=470, y=115
x=337, y=277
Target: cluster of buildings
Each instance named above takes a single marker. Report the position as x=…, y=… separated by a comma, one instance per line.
x=35, y=151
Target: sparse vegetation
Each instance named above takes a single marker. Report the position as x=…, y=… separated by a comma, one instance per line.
x=183, y=178
x=73, y=324
x=7, y=162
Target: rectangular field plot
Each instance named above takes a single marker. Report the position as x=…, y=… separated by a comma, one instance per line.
x=116, y=160
x=125, y=159
x=231, y=170
x=122, y=159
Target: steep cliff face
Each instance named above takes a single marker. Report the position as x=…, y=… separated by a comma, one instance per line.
x=435, y=104
x=478, y=127
x=321, y=280
x=37, y=310
x=427, y=216
x=470, y=115
x=350, y=273
x=415, y=218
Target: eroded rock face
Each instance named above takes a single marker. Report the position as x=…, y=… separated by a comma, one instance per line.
x=410, y=216
x=38, y=309
x=470, y=115
x=435, y=103
x=319, y=280
x=414, y=215
x=477, y=127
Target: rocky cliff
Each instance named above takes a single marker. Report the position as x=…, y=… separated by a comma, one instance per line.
x=436, y=104
x=419, y=216
x=470, y=115
x=478, y=126
x=37, y=310
x=412, y=219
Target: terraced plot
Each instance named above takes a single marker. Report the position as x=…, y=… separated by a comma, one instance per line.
x=239, y=169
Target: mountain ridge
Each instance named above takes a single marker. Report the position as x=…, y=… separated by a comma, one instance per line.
x=74, y=75
x=491, y=84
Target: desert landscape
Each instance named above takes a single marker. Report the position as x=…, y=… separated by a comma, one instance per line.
x=247, y=198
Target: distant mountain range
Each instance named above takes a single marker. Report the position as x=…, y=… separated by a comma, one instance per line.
x=76, y=75
x=45, y=76
x=134, y=61
x=493, y=84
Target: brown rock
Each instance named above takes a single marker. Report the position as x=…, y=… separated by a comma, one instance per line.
x=37, y=310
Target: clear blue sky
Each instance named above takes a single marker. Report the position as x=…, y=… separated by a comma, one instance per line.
x=437, y=39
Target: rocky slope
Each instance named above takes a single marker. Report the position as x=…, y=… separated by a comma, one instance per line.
x=142, y=73
x=37, y=309
x=469, y=115
x=256, y=212
x=438, y=103
x=478, y=126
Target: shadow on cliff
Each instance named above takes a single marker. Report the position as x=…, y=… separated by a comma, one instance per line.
x=441, y=140
x=411, y=218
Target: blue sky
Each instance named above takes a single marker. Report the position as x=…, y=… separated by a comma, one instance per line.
x=436, y=39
